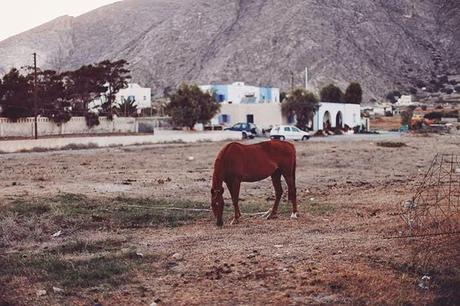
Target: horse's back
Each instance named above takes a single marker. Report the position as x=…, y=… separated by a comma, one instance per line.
x=273, y=151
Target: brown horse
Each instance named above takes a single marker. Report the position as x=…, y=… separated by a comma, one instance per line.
x=238, y=163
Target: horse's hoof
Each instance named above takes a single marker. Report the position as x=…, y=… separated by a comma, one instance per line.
x=272, y=216
x=294, y=216
x=235, y=221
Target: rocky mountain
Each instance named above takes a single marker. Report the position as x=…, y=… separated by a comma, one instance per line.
x=384, y=44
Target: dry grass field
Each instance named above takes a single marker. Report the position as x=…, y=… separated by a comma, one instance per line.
x=131, y=225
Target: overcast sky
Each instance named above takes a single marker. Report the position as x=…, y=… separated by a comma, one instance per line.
x=21, y=15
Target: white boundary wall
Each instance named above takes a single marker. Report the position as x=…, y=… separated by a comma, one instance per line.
x=160, y=136
x=76, y=125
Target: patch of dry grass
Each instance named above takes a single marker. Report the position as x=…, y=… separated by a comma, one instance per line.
x=391, y=144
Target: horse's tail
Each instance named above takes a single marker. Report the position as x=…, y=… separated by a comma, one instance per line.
x=294, y=165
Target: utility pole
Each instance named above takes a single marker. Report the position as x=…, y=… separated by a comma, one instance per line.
x=35, y=97
x=292, y=81
x=306, y=78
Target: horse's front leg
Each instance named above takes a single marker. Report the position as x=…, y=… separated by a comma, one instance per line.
x=234, y=188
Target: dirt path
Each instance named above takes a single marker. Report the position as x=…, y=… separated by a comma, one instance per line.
x=334, y=254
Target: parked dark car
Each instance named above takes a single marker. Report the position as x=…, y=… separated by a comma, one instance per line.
x=248, y=130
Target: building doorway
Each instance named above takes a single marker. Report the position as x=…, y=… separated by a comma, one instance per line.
x=339, y=120
x=250, y=118
x=327, y=121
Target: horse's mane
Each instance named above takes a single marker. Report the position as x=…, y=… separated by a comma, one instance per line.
x=224, y=150
x=216, y=179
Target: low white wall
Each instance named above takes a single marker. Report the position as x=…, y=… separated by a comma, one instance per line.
x=11, y=146
x=76, y=125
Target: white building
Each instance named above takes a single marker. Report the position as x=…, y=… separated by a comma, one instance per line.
x=337, y=115
x=405, y=100
x=261, y=106
x=142, y=95
x=134, y=92
x=378, y=109
x=239, y=93
x=244, y=103
x=264, y=115
x=267, y=115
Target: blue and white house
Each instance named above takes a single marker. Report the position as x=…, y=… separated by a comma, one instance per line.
x=240, y=93
x=245, y=103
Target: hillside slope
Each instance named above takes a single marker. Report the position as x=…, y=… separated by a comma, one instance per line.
x=379, y=43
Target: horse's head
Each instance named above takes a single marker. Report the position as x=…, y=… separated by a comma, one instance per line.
x=217, y=204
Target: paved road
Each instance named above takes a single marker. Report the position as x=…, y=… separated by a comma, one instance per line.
x=359, y=137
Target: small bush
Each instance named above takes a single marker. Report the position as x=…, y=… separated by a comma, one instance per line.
x=92, y=119
x=390, y=144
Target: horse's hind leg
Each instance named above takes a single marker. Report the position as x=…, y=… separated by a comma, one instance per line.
x=276, y=180
x=292, y=196
x=234, y=187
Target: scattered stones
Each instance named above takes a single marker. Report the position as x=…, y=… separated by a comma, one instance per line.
x=190, y=158
x=178, y=256
x=41, y=292
x=57, y=234
x=58, y=290
x=128, y=182
x=425, y=282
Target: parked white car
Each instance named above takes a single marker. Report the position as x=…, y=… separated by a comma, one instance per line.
x=283, y=132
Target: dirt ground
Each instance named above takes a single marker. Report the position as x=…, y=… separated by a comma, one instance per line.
x=386, y=123
x=335, y=253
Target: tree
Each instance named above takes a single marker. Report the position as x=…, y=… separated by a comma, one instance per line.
x=331, y=93
x=189, y=105
x=83, y=86
x=16, y=95
x=127, y=108
x=283, y=95
x=353, y=94
x=302, y=104
x=51, y=101
x=406, y=117
x=116, y=76
x=393, y=96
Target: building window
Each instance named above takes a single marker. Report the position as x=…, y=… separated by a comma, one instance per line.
x=224, y=118
x=220, y=98
x=145, y=98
